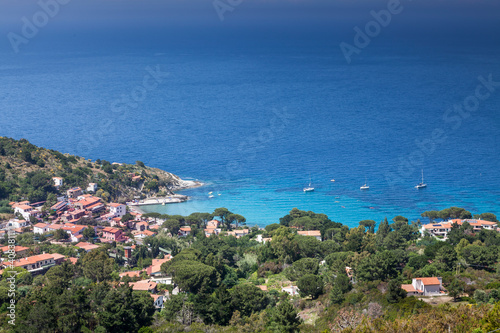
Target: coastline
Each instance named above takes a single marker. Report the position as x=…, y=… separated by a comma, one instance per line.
x=174, y=198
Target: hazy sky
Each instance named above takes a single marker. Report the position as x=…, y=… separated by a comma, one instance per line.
x=455, y=19
x=194, y=12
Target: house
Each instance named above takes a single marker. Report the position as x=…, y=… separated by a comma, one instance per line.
x=262, y=287
x=75, y=231
x=91, y=204
x=73, y=216
x=131, y=274
x=23, y=209
x=16, y=223
x=143, y=234
x=74, y=192
x=428, y=286
x=238, y=233
x=184, y=231
x=212, y=231
x=117, y=209
x=262, y=240
x=18, y=250
x=40, y=228
x=58, y=181
x=37, y=263
x=155, y=269
x=87, y=246
x=312, y=233
x=92, y=187
x=113, y=234
x=291, y=290
x=443, y=228
x=213, y=224
x=144, y=285
x=141, y=226
x=60, y=206
x=158, y=301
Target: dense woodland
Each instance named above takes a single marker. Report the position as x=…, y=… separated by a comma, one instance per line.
x=219, y=279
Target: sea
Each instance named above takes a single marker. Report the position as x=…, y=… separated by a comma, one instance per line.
x=258, y=115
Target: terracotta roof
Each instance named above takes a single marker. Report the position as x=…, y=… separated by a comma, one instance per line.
x=34, y=259
x=73, y=260
x=40, y=225
x=430, y=281
x=23, y=207
x=16, y=248
x=131, y=274
x=315, y=233
x=111, y=230
x=115, y=204
x=156, y=265
x=144, y=285
x=408, y=288
x=87, y=246
x=185, y=228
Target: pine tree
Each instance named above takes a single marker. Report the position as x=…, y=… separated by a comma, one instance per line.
x=336, y=295
x=284, y=318
x=395, y=293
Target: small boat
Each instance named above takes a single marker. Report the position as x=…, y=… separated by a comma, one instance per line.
x=421, y=184
x=333, y=180
x=210, y=196
x=210, y=192
x=218, y=194
x=309, y=188
x=364, y=187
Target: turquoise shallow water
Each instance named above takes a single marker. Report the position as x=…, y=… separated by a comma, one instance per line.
x=255, y=117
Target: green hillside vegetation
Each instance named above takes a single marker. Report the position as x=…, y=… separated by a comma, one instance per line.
x=26, y=173
x=223, y=277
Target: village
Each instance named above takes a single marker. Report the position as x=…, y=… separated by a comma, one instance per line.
x=66, y=223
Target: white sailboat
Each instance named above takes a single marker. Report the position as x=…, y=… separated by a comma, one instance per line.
x=309, y=188
x=365, y=187
x=422, y=184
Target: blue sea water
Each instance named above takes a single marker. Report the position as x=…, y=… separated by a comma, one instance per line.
x=256, y=118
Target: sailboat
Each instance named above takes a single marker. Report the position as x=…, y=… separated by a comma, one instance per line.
x=309, y=188
x=364, y=187
x=422, y=184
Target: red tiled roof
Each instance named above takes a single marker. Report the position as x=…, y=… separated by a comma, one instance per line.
x=429, y=281
x=408, y=288
x=315, y=233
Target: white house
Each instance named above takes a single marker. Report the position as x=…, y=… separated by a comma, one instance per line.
x=16, y=223
x=443, y=228
x=184, y=231
x=24, y=210
x=428, y=286
x=58, y=181
x=92, y=187
x=291, y=290
x=117, y=209
x=40, y=228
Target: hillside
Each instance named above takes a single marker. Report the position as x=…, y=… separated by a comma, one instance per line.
x=26, y=172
